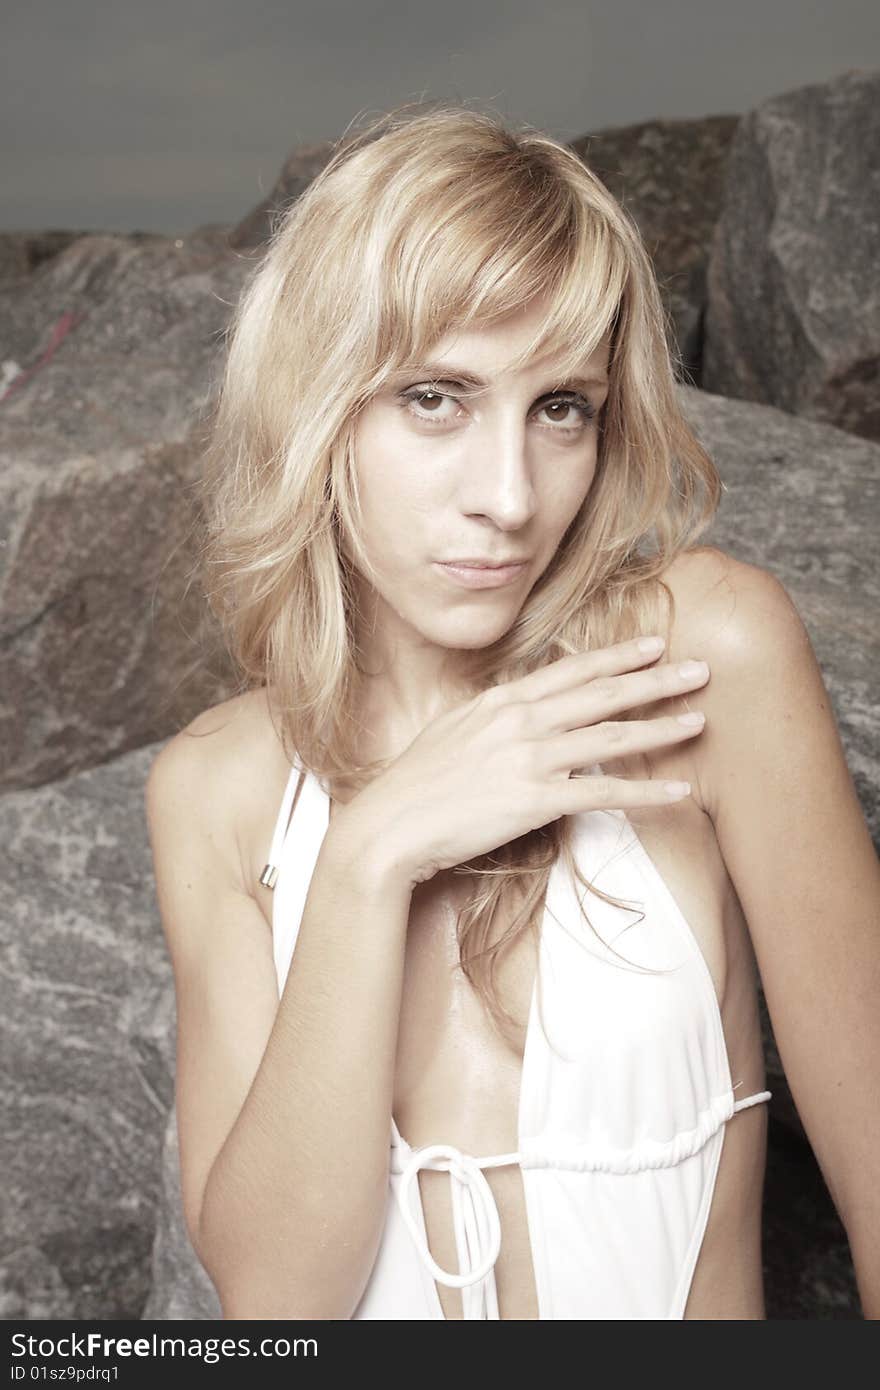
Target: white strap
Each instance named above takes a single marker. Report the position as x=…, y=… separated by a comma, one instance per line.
x=476, y=1222
x=752, y=1100
x=270, y=872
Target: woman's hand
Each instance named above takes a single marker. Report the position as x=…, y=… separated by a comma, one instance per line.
x=508, y=760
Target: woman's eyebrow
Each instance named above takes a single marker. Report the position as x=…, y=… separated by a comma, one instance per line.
x=448, y=371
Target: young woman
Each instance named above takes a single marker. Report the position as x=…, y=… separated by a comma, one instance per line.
x=465, y=889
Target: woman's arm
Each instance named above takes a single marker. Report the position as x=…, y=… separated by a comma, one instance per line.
x=774, y=779
x=283, y=1107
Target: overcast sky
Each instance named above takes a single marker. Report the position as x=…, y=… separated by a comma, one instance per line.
x=172, y=113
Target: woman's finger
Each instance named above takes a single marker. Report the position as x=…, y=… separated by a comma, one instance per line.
x=602, y=793
x=609, y=695
x=600, y=743
x=571, y=672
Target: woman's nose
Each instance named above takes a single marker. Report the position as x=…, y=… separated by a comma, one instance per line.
x=499, y=479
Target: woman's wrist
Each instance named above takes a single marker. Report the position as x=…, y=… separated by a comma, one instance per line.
x=367, y=852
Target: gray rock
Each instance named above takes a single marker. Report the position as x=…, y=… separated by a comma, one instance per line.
x=88, y=1044
x=669, y=176
x=81, y=278
x=98, y=450
x=22, y=252
x=793, y=316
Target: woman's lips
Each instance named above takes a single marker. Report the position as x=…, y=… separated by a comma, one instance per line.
x=481, y=577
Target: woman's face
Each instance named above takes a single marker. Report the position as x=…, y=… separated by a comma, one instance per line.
x=492, y=477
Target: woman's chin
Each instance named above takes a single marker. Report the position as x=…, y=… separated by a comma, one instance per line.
x=469, y=635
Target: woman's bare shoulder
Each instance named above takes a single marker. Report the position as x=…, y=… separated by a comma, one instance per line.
x=720, y=603
x=740, y=620
x=217, y=769
x=224, y=736
x=743, y=622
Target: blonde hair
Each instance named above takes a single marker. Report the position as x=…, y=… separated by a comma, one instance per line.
x=425, y=222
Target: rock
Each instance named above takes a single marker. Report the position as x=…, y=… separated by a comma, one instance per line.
x=88, y=1023
x=22, y=252
x=793, y=317
x=669, y=176
x=81, y=278
x=98, y=451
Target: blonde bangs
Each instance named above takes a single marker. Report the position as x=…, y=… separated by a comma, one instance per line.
x=482, y=233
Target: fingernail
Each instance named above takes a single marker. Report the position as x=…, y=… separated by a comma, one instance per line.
x=688, y=669
x=651, y=644
x=692, y=718
x=676, y=788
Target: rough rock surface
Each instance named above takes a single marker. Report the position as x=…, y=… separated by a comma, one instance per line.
x=793, y=316
x=88, y=1035
x=98, y=449
x=669, y=176
x=21, y=252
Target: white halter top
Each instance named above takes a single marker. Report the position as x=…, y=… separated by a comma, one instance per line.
x=623, y=1101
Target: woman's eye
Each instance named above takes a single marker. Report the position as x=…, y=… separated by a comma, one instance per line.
x=572, y=402
x=428, y=400
x=425, y=404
